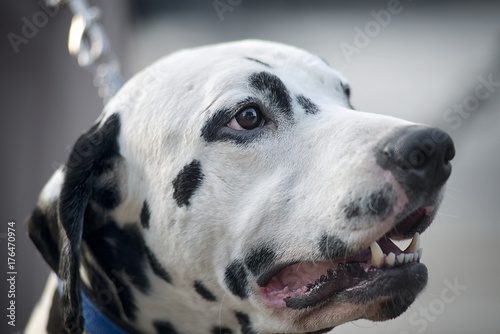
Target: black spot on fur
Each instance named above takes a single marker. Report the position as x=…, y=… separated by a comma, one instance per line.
x=211, y=130
x=164, y=327
x=157, y=267
x=307, y=104
x=274, y=90
x=378, y=204
x=187, y=181
x=236, y=279
x=121, y=254
x=258, y=61
x=321, y=331
x=105, y=191
x=204, y=292
x=332, y=246
x=55, y=321
x=244, y=321
x=101, y=287
x=221, y=330
x=351, y=210
x=259, y=259
x=145, y=215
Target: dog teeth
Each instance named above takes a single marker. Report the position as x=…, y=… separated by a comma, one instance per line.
x=390, y=259
x=377, y=254
x=420, y=251
x=408, y=257
x=412, y=253
x=415, y=244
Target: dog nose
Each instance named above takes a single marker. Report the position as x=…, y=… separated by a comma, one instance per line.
x=418, y=156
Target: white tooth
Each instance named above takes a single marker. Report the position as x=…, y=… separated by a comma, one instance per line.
x=415, y=243
x=390, y=259
x=408, y=258
x=377, y=254
x=420, y=251
x=401, y=258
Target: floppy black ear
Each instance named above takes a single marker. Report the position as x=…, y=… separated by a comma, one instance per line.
x=43, y=225
x=89, y=180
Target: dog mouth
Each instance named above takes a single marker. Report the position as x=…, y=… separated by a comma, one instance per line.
x=380, y=270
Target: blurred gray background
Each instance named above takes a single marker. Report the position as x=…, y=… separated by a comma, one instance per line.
x=423, y=64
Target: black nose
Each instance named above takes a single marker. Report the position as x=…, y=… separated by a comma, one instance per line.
x=418, y=156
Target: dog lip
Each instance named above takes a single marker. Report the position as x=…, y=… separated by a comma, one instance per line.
x=416, y=221
x=265, y=278
x=364, y=286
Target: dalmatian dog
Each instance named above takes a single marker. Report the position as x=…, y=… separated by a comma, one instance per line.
x=233, y=189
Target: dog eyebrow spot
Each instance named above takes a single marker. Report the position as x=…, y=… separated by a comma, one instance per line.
x=145, y=215
x=236, y=279
x=332, y=246
x=204, y=292
x=259, y=259
x=187, y=181
x=274, y=90
x=307, y=105
x=164, y=327
x=258, y=61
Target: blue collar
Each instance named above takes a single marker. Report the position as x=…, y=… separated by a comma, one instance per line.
x=96, y=322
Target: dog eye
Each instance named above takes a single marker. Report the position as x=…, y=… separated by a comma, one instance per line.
x=247, y=119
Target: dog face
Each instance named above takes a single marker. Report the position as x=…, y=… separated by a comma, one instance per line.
x=234, y=187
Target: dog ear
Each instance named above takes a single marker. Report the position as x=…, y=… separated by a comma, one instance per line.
x=89, y=183
x=43, y=226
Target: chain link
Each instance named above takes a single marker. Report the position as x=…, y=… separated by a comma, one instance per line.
x=89, y=43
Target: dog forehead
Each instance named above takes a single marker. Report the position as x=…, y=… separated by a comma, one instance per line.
x=179, y=89
x=218, y=68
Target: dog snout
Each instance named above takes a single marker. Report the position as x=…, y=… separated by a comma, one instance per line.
x=418, y=156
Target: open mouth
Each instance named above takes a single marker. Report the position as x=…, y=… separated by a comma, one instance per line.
x=382, y=269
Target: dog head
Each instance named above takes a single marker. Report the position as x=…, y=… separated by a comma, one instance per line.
x=235, y=186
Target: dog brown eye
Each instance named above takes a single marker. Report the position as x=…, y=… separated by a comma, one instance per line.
x=247, y=119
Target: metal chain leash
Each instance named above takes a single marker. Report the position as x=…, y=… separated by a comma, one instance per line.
x=89, y=43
